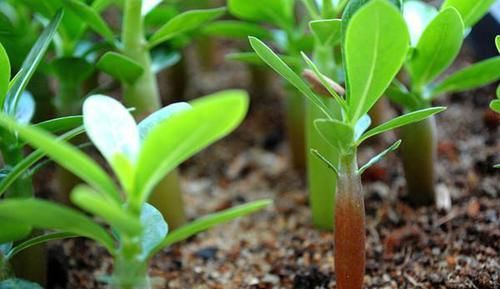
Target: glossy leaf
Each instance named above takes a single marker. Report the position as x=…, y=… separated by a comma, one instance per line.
x=61, y=124
x=278, y=12
x=361, y=126
x=91, y=17
x=236, y=29
x=400, y=121
x=210, y=221
x=25, y=108
x=147, y=124
x=375, y=47
x=46, y=215
x=120, y=67
x=39, y=240
x=354, y=5
x=149, y=5
x=379, y=157
x=336, y=133
x=155, y=229
x=471, y=11
x=4, y=72
x=476, y=75
x=278, y=65
x=66, y=155
x=418, y=15
x=185, y=134
x=30, y=64
x=437, y=48
x=254, y=59
x=495, y=105
x=183, y=23
x=12, y=230
x=327, y=32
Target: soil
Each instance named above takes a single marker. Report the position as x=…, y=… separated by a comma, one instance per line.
x=454, y=246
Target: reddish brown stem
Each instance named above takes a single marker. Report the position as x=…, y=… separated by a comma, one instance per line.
x=349, y=227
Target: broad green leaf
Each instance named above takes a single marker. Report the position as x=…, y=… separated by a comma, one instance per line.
x=46, y=215
x=111, y=127
x=183, y=23
x=418, y=15
x=400, y=121
x=61, y=124
x=21, y=167
x=155, y=229
x=30, y=64
x=13, y=230
x=25, y=108
x=336, y=133
x=379, y=157
x=470, y=10
x=376, y=44
x=182, y=135
x=147, y=124
x=149, y=5
x=437, y=48
x=4, y=72
x=476, y=75
x=278, y=65
x=120, y=67
x=278, y=12
x=327, y=32
x=80, y=70
x=14, y=283
x=354, y=5
x=114, y=214
x=236, y=29
x=495, y=105
x=91, y=17
x=325, y=161
x=361, y=126
x=39, y=240
x=210, y=221
x=497, y=42
x=66, y=155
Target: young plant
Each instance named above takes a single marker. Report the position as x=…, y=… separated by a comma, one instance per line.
x=140, y=156
x=375, y=44
x=436, y=38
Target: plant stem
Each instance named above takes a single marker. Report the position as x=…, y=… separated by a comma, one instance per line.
x=295, y=112
x=349, y=226
x=130, y=271
x=418, y=152
x=145, y=97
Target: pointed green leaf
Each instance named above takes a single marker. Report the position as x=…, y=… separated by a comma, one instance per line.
x=327, y=162
x=120, y=67
x=183, y=23
x=147, y=124
x=336, y=133
x=476, y=75
x=236, y=29
x=495, y=105
x=327, y=32
x=46, y=215
x=13, y=230
x=182, y=135
x=91, y=17
x=155, y=229
x=278, y=12
x=61, y=124
x=400, y=121
x=418, y=15
x=4, y=73
x=470, y=10
x=39, y=240
x=269, y=57
x=254, y=59
x=437, y=48
x=66, y=155
x=375, y=47
x=379, y=157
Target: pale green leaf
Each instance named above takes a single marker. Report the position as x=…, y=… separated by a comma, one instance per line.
x=327, y=32
x=4, y=73
x=278, y=12
x=326, y=161
x=418, y=15
x=25, y=108
x=91, y=17
x=149, y=5
x=495, y=105
x=147, y=124
x=336, y=133
x=155, y=229
x=236, y=29
x=361, y=126
x=470, y=10
x=120, y=67
x=497, y=42
x=379, y=157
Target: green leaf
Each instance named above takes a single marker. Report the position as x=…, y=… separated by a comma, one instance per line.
x=278, y=12
x=120, y=67
x=30, y=64
x=60, y=124
x=236, y=29
x=400, y=121
x=113, y=213
x=4, y=72
x=379, y=157
x=39, y=240
x=471, y=11
x=476, y=75
x=185, y=22
x=361, y=126
x=15, y=283
x=149, y=5
x=182, y=135
x=91, y=17
x=336, y=133
x=398, y=93
x=327, y=32
x=80, y=70
x=155, y=229
x=254, y=59
x=13, y=231
x=163, y=59
x=269, y=57
x=437, y=48
x=147, y=124
x=495, y=105
x=66, y=155
x=327, y=162
x=418, y=15
x=375, y=47
x=497, y=42
x=25, y=108
x=354, y=5
x=46, y=215
x=210, y=221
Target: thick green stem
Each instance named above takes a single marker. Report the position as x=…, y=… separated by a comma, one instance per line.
x=144, y=96
x=130, y=271
x=349, y=226
x=418, y=151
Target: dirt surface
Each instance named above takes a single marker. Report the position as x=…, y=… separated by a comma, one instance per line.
x=452, y=247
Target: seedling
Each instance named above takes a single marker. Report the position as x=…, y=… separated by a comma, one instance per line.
x=375, y=44
x=436, y=38
x=140, y=156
